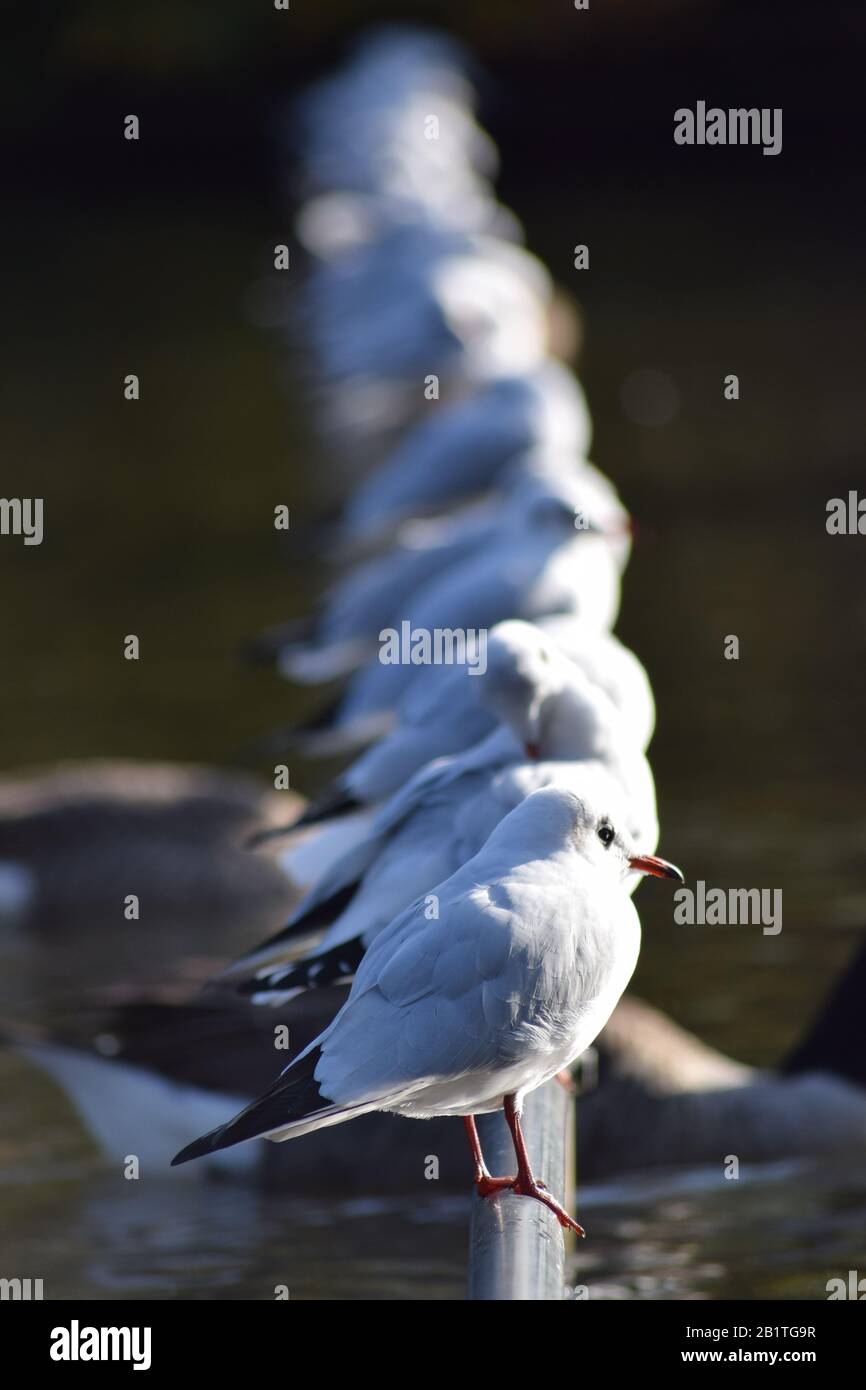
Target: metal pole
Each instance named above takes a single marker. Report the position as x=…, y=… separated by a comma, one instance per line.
x=516, y=1246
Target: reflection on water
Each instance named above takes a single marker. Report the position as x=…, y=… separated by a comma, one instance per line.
x=127, y=1240
x=164, y=529
x=779, y=1232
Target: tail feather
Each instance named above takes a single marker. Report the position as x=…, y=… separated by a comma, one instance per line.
x=293, y=1097
x=322, y=914
x=302, y=929
x=332, y=967
x=265, y=649
x=322, y=724
x=332, y=734
x=317, y=663
x=269, y=835
x=334, y=801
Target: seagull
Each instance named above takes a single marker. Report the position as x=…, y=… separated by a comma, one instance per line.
x=535, y=942
x=422, y=844
x=141, y=1072
x=338, y=222
x=610, y=664
x=343, y=634
x=450, y=714
x=547, y=711
x=447, y=809
x=551, y=558
x=439, y=714
x=363, y=129
x=379, y=592
x=525, y=672
x=462, y=445
x=420, y=300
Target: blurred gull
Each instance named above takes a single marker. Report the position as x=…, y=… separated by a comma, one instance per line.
x=609, y=664
x=524, y=664
x=375, y=595
x=367, y=135
x=337, y=223
x=366, y=128
x=418, y=302
x=464, y=447
x=550, y=557
x=439, y=714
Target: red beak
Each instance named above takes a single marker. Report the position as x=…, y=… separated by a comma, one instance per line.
x=533, y=751
x=659, y=868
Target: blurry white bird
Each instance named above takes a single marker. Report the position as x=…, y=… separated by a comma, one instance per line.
x=610, y=664
x=375, y=594
x=420, y=301
x=439, y=714
x=463, y=447
x=463, y=1015
x=367, y=128
x=338, y=222
x=450, y=711
x=551, y=558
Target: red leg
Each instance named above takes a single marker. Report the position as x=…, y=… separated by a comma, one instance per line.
x=485, y=1185
x=566, y=1081
x=525, y=1184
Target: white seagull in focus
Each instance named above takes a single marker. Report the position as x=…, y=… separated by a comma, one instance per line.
x=535, y=942
x=420, y=841
x=443, y=816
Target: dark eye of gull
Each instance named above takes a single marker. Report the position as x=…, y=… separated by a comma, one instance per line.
x=606, y=834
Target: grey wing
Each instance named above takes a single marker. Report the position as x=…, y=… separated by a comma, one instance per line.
x=441, y=774
x=431, y=999
x=453, y=454
x=443, y=689
x=364, y=603
x=348, y=869
x=389, y=764
x=477, y=594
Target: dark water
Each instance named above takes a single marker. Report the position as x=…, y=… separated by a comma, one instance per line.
x=158, y=521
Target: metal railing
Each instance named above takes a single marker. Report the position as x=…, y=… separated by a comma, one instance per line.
x=516, y=1246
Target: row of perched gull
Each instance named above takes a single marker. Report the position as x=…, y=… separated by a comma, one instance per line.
x=473, y=862
x=471, y=870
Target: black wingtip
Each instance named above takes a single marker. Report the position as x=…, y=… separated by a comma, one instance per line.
x=319, y=916
x=294, y=1095
x=333, y=967
x=293, y=736
x=334, y=802
x=265, y=649
x=207, y=1144
x=268, y=834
